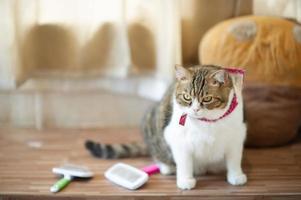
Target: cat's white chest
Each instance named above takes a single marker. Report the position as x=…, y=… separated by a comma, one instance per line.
x=208, y=143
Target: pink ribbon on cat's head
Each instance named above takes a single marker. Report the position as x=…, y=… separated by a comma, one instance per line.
x=233, y=70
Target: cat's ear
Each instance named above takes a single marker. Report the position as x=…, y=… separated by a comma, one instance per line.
x=221, y=76
x=182, y=73
x=237, y=80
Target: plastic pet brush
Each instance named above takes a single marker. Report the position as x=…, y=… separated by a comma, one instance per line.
x=69, y=172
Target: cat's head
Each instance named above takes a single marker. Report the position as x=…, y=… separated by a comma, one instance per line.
x=204, y=91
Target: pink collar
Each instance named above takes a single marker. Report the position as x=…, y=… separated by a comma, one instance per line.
x=231, y=108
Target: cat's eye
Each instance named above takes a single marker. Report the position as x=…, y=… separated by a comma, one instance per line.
x=215, y=83
x=207, y=99
x=186, y=97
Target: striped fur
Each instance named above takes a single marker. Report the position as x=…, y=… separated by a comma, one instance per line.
x=112, y=151
x=153, y=126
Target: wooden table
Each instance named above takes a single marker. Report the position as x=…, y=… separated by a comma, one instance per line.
x=27, y=157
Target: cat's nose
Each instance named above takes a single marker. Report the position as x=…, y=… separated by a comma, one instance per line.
x=196, y=109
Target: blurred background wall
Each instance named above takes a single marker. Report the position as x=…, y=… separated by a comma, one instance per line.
x=95, y=63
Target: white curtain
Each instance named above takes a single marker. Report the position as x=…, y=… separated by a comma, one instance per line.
x=112, y=38
x=88, y=52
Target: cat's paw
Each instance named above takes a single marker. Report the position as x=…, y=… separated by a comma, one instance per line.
x=237, y=179
x=186, y=183
x=166, y=169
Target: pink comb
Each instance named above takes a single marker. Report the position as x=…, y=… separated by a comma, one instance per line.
x=151, y=169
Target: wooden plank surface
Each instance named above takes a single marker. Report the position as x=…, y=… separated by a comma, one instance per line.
x=27, y=157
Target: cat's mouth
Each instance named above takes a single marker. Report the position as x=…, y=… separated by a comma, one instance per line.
x=194, y=115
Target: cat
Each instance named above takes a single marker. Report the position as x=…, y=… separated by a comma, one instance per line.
x=197, y=127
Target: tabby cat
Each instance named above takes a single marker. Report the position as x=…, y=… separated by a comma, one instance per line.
x=196, y=128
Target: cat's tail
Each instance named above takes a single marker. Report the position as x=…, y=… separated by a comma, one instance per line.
x=112, y=151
